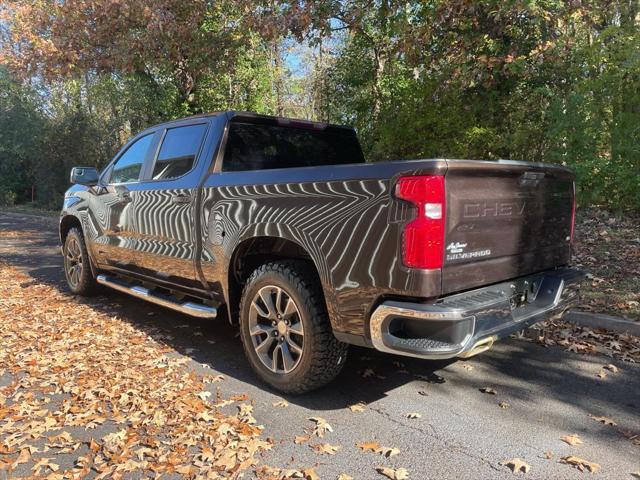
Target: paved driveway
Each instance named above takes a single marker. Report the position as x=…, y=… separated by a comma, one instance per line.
x=462, y=433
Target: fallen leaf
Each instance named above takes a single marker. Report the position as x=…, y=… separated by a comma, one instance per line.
x=310, y=474
x=488, y=390
x=281, y=404
x=548, y=455
x=204, y=395
x=516, y=465
x=572, y=439
x=388, y=451
x=357, y=407
x=46, y=464
x=325, y=448
x=213, y=378
x=424, y=393
x=581, y=464
x=344, y=476
x=24, y=457
x=414, y=415
x=611, y=367
x=299, y=439
x=368, y=446
x=503, y=405
x=321, y=426
x=605, y=420
x=397, y=474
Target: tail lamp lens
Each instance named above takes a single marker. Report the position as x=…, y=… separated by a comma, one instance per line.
x=423, y=237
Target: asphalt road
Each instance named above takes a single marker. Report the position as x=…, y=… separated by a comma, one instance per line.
x=462, y=433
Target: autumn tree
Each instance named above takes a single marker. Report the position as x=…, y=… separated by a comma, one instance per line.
x=183, y=41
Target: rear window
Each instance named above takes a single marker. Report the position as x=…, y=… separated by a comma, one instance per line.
x=260, y=146
x=178, y=152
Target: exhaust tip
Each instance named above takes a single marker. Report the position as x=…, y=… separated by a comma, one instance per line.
x=479, y=347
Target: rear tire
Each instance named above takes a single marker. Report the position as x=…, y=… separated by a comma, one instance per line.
x=77, y=266
x=285, y=329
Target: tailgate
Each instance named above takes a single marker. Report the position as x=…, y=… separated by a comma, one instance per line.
x=504, y=219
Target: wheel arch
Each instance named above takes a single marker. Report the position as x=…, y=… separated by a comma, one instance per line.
x=67, y=223
x=252, y=252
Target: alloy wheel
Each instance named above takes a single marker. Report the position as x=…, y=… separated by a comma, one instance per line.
x=276, y=329
x=73, y=262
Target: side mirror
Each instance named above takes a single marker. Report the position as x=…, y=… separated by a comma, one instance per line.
x=84, y=176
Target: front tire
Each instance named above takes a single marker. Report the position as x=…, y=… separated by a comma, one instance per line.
x=77, y=267
x=285, y=329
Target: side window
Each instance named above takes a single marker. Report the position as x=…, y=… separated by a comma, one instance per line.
x=178, y=152
x=266, y=146
x=128, y=167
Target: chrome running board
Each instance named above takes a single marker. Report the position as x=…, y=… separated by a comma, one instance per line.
x=190, y=308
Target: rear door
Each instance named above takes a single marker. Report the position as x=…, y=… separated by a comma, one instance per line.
x=504, y=219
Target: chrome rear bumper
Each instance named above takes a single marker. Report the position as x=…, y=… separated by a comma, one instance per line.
x=468, y=323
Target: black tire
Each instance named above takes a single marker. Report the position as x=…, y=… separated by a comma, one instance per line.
x=322, y=355
x=77, y=267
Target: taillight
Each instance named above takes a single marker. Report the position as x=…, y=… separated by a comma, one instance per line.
x=573, y=213
x=423, y=237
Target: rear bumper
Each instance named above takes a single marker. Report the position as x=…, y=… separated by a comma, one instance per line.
x=467, y=323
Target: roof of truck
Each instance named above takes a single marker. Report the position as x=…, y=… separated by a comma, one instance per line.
x=234, y=114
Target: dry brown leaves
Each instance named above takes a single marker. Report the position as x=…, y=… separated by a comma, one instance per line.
x=73, y=366
x=376, y=448
x=609, y=248
x=516, y=465
x=488, y=390
x=572, y=439
x=393, y=474
x=321, y=426
x=580, y=339
x=581, y=464
x=325, y=448
x=271, y=473
x=604, y=420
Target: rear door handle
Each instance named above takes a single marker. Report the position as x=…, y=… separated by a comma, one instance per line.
x=181, y=198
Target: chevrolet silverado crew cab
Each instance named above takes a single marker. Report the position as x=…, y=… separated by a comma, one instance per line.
x=282, y=226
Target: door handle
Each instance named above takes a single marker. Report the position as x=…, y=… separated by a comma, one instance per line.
x=181, y=198
x=124, y=197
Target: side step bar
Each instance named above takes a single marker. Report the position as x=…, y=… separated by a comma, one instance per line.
x=190, y=308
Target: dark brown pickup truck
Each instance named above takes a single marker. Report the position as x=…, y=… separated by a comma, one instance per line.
x=283, y=227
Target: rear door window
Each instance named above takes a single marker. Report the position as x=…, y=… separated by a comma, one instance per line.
x=128, y=167
x=265, y=146
x=178, y=152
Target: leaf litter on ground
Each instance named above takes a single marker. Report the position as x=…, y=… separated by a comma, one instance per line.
x=74, y=363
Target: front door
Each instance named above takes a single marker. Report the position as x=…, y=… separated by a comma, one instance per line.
x=112, y=218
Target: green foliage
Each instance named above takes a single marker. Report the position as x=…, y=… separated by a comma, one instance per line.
x=540, y=81
x=20, y=139
x=537, y=80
